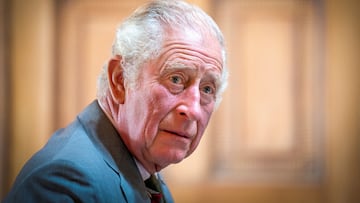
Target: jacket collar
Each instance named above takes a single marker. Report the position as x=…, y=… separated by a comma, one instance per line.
x=116, y=155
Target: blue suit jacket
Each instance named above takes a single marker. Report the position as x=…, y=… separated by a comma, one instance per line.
x=85, y=162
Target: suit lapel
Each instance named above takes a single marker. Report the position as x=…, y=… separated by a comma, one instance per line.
x=115, y=154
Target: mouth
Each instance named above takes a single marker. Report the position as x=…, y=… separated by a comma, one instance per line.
x=179, y=134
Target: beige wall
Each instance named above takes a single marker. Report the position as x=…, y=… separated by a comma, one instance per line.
x=32, y=78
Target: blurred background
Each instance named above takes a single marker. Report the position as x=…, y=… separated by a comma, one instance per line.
x=288, y=129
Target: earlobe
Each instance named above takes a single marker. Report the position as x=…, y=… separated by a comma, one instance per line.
x=116, y=80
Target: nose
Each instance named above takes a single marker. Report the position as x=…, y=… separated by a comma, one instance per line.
x=190, y=108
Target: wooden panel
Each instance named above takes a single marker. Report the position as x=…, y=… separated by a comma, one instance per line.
x=343, y=99
x=229, y=193
x=273, y=109
x=86, y=32
x=31, y=79
x=4, y=99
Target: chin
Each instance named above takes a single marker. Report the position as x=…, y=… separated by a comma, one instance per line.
x=178, y=157
x=172, y=158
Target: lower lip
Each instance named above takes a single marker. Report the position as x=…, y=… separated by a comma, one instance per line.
x=177, y=135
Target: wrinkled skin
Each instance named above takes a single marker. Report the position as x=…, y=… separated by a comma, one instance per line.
x=163, y=119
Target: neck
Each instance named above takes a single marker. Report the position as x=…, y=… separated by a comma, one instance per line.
x=112, y=112
x=110, y=108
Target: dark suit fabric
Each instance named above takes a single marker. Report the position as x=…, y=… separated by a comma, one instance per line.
x=84, y=162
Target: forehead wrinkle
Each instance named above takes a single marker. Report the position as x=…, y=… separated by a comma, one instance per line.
x=179, y=63
x=171, y=66
x=178, y=46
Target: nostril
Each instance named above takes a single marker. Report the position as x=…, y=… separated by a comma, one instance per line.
x=182, y=113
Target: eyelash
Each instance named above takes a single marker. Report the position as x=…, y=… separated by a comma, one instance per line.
x=178, y=78
x=176, y=82
x=209, y=89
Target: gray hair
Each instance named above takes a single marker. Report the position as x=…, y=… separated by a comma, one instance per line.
x=139, y=38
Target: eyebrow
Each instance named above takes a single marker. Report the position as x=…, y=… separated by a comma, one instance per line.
x=173, y=65
x=178, y=66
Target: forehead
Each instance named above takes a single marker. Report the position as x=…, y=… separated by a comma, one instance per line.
x=192, y=46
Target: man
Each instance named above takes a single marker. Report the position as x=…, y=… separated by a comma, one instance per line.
x=155, y=98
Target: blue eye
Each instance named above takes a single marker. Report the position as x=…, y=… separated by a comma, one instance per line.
x=175, y=83
x=208, y=90
x=175, y=79
x=208, y=94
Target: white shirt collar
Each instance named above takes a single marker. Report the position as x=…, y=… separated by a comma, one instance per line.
x=144, y=173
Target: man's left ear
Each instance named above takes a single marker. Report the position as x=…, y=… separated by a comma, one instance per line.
x=116, y=79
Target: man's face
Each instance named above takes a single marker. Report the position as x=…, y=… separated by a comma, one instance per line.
x=168, y=111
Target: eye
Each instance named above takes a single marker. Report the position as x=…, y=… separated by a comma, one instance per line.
x=175, y=82
x=208, y=90
x=176, y=79
x=207, y=93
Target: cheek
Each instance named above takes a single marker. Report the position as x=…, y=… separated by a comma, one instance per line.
x=194, y=144
x=139, y=113
x=139, y=108
x=162, y=99
x=201, y=129
x=159, y=106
